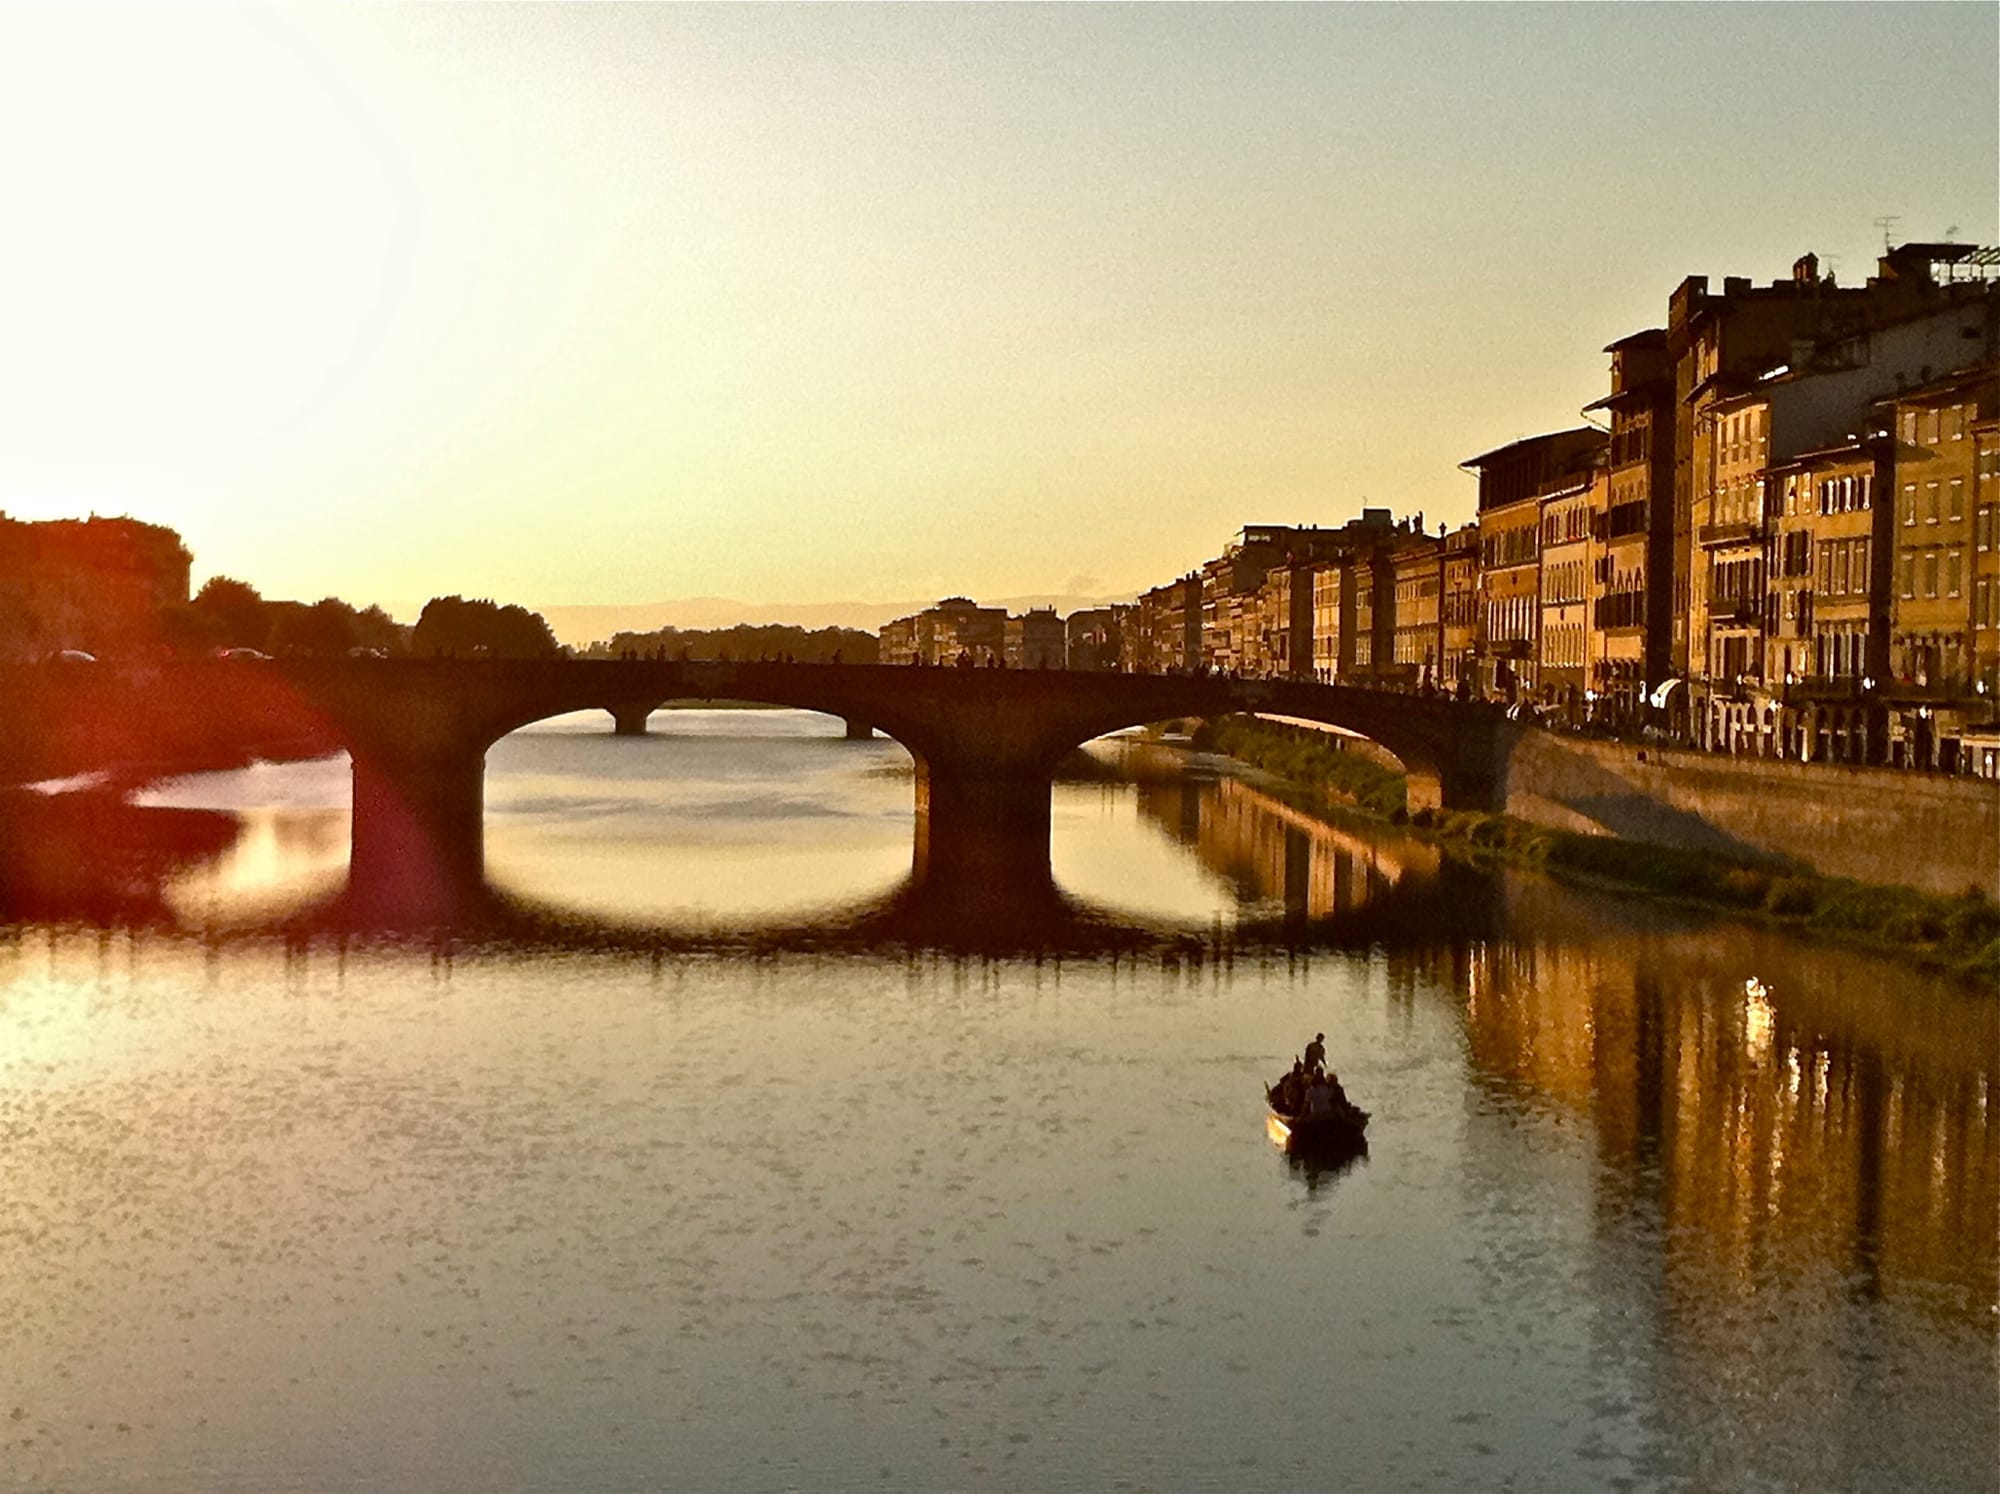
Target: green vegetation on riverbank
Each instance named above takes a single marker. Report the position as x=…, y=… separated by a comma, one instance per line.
x=1313, y=760
x=1960, y=932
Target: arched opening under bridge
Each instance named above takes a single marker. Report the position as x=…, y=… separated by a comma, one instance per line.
x=721, y=816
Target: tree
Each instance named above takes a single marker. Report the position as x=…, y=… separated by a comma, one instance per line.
x=188, y=629
x=376, y=629
x=235, y=611
x=453, y=625
x=325, y=629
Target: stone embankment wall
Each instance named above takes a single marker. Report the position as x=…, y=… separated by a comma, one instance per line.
x=1934, y=833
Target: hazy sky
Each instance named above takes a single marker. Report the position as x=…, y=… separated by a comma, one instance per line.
x=577, y=304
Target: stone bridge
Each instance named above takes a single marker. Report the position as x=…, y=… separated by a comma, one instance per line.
x=985, y=742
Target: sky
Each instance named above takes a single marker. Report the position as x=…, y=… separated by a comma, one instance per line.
x=605, y=304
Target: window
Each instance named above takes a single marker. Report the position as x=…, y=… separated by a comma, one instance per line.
x=1930, y=503
x=1982, y=527
x=1861, y=564
x=1909, y=503
x=1957, y=494
x=1931, y=421
x=1867, y=488
x=1951, y=574
x=1982, y=594
x=1839, y=582
x=1930, y=573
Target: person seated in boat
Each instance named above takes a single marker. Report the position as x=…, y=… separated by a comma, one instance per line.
x=1297, y=1083
x=1333, y=1086
x=1319, y=1099
x=1316, y=1053
x=1288, y=1091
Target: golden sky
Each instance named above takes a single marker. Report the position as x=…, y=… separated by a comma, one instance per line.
x=609, y=304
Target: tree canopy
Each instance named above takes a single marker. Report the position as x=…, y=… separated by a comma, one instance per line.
x=232, y=614
x=453, y=625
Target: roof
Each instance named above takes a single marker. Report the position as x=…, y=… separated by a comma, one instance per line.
x=1527, y=442
x=1798, y=461
x=1652, y=337
x=1979, y=373
x=1637, y=394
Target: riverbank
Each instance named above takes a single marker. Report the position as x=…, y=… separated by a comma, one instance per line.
x=1317, y=772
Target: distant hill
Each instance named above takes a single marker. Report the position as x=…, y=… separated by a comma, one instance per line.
x=585, y=625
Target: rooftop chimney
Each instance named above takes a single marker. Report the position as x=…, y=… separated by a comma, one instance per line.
x=1805, y=269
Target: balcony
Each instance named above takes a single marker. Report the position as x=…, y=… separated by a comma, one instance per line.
x=1736, y=532
x=1724, y=609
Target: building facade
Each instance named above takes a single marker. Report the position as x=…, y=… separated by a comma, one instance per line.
x=95, y=584
x=1564, y=632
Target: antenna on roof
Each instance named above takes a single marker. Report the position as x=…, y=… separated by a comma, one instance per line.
x=1951, y=234
x=1887, y=223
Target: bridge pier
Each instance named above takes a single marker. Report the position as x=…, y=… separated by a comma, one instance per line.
x=1472, y=777
x=979, y=839
x=418, y=848
x=630, y=721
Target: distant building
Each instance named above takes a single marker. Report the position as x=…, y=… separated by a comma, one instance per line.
x=92, y=584
x=1416, y=618
x=1983, y=744
x=1938, y=690
x=896, y=642
x=1632, y=526
x=1095, y=637
x=1848, y=343
x=1513, y=481
x=1565, y=635
x=1329, y=598
x=1458, y=607
x=1165, y=628
x=955, y=628
x=1830, y=517
x=1037, y=639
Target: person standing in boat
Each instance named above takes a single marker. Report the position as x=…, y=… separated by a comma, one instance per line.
x=1316, y=1053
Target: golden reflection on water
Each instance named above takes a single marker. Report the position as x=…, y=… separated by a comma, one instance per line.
x=280, y=860
x=1791, y=1109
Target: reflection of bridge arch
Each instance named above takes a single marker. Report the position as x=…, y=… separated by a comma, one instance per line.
x=984, y=742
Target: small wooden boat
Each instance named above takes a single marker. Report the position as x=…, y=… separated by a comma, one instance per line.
x=1346, y=1125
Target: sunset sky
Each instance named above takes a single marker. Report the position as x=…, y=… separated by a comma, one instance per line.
x=608, y=304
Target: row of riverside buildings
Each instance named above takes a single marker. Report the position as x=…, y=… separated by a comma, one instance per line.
x=1777, y=534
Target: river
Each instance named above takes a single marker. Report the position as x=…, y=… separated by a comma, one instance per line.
x=1652, y=1200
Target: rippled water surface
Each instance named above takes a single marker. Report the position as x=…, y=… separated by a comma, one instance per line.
x=367, y=1214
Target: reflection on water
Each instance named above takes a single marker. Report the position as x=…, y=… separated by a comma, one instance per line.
x=1652, y=1199
x=1316, y=1161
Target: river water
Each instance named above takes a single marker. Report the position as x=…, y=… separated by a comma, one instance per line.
x=1651, y=1200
